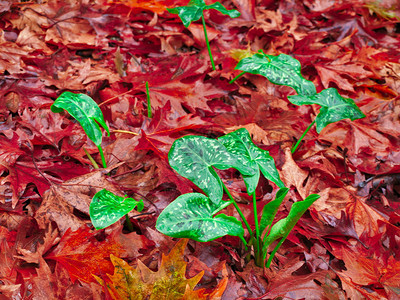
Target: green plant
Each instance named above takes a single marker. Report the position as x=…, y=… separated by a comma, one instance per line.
x=105, y=208
x=193, y=215
x=285, y=70
x=194, y=11
x=86, y=111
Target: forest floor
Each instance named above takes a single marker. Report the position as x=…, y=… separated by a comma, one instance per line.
x=347, y=245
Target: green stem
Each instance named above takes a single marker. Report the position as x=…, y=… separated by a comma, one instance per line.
x=148, y=100
x=103, y=160
x=207, y=42
x=238, y=209
x=271, y=256
x=94, y=163
x=257, y=252
x=234, y=79
x=294, y=148
x=128, y=223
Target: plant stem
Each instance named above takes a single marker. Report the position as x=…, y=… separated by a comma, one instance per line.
x=148, y=100
x=103, y=160
x=234, y=79
x=207, y=42
x=128, y=223
x=94, y=163
x=294, y=148
x=238, y=209
x=257, y=252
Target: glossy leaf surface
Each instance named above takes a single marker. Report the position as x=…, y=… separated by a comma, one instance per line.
x=240, y=144
x=193, y=158
x=107, y=208
x=282, y=69
x=334, y=107
x=282, y=228
x=85, y=111
x=191, y=216
x=194, y=10
x=270, y=209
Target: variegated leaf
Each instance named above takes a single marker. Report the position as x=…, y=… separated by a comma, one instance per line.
x=282, y=69
x=191, y=216
x=107, y=208
x=240, y=144
x=194, y=157
x=334, y=107
x=194, y=10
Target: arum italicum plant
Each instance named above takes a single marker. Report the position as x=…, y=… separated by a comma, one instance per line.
x=197, y=216
x=195, y=10
x=285, y=70
x=106, y=208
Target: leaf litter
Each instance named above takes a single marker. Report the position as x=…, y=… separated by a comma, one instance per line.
x=346, y=246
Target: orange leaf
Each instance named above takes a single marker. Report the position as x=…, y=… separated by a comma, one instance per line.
x=169, y=282
x=82, y=255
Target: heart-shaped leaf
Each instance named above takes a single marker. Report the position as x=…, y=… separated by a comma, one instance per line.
x=194, y=157
x=240, y=144
x=334, y=107
x=191, y=216
x=194, y=10
x=283, y=227
x=107, y=208
x=270, y=209
x=282, y=69
x=85, y=111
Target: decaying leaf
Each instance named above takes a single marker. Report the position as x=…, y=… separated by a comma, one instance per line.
x=169, y=282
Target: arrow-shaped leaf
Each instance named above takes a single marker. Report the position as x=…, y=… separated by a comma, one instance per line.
x=334, y=107
x=283, y=227
x=85, y=111
x=194, y=157
x=270, y=209
x=107, y=208
x=240, y=144
x=194, y=10
x=191, y=216
x=282, y=69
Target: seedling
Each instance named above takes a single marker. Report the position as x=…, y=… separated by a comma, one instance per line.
x=105, y=208
x=86, y=111
x=194, y=215
x=285, y=70
x=194, y=11
x=149, y=114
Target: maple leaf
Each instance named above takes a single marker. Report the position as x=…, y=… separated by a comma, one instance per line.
x=82, y=255
x=169, y=282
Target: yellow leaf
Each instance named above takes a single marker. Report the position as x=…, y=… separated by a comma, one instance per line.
x=168, y=283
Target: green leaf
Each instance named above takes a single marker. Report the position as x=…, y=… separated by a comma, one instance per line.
x=194, y=10
x=240, y=144
x=283, y=227
x=334, y=107
x=85, y=111
x=282, y=70
x=191, y=216
x=107, y=208
x=270, y=209
x=193, y=158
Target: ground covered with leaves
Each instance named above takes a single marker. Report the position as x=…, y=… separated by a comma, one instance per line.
x=346, y=246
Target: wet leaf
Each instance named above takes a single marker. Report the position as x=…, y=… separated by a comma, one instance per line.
x=191, y=216
x=194, y=10
x=169, y=282
x=333, y=107
x=194, y=157
x=106, y=208
x=282, y=69
x=240, y=144
x=85, y=111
